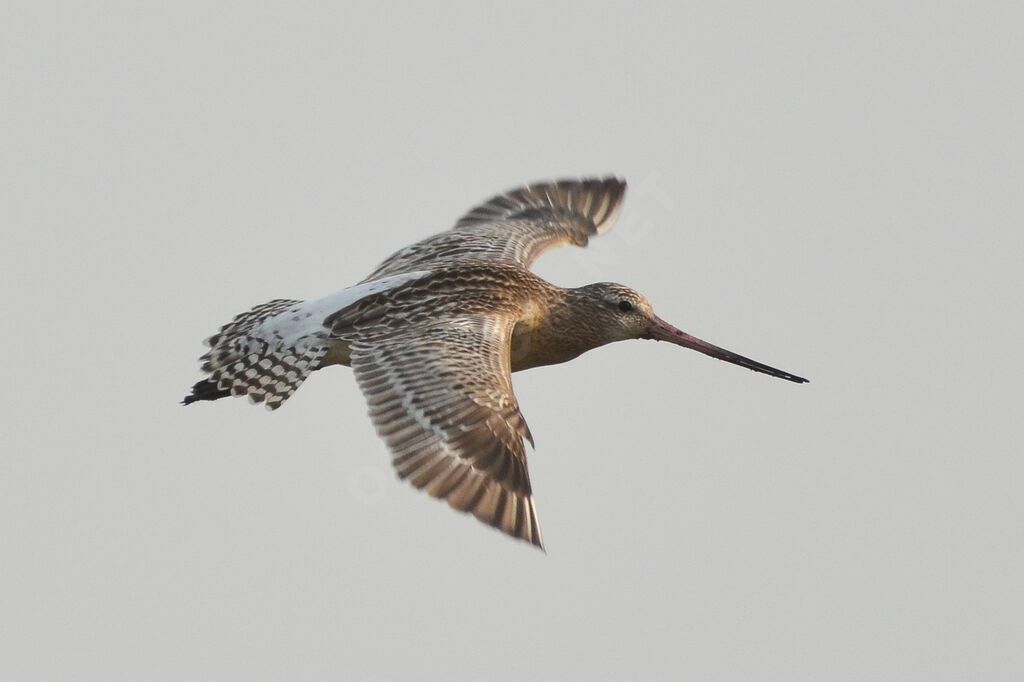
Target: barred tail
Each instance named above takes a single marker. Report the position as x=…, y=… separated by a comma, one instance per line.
x=265, y=353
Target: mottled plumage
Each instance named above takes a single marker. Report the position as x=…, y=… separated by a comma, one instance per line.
x=433, y=334
x=516, y=227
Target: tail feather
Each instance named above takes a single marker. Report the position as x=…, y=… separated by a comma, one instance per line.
x=260, y=354
x=205, y=390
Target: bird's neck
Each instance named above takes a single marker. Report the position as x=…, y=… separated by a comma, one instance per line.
x=553, y=330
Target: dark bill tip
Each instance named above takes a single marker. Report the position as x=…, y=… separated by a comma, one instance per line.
x=663, y=331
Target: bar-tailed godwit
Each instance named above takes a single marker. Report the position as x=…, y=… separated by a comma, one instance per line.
x=433, y=334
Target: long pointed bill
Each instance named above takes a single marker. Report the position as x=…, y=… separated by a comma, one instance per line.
x=663, y=331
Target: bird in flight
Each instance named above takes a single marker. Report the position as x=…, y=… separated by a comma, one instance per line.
x=434, y=333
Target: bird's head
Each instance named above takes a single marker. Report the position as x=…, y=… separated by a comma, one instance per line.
x=618, y=313
x=615, y=312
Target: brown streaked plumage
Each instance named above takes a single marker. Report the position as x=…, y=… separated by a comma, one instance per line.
x=434, y=333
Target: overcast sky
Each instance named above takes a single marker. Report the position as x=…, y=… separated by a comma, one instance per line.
x=833, y=190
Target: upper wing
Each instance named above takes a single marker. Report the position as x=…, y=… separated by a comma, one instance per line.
x=516, y=227
x=441, y=397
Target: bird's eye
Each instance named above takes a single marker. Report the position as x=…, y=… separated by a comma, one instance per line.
x=625, y=306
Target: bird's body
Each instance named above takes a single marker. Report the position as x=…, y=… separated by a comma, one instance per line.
x=433, y=334
x=533, y=305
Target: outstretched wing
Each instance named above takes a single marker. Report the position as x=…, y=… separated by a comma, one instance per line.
x=516, y=227
x=440, y=396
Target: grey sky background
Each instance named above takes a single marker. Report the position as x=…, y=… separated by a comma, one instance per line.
x=833, y=189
